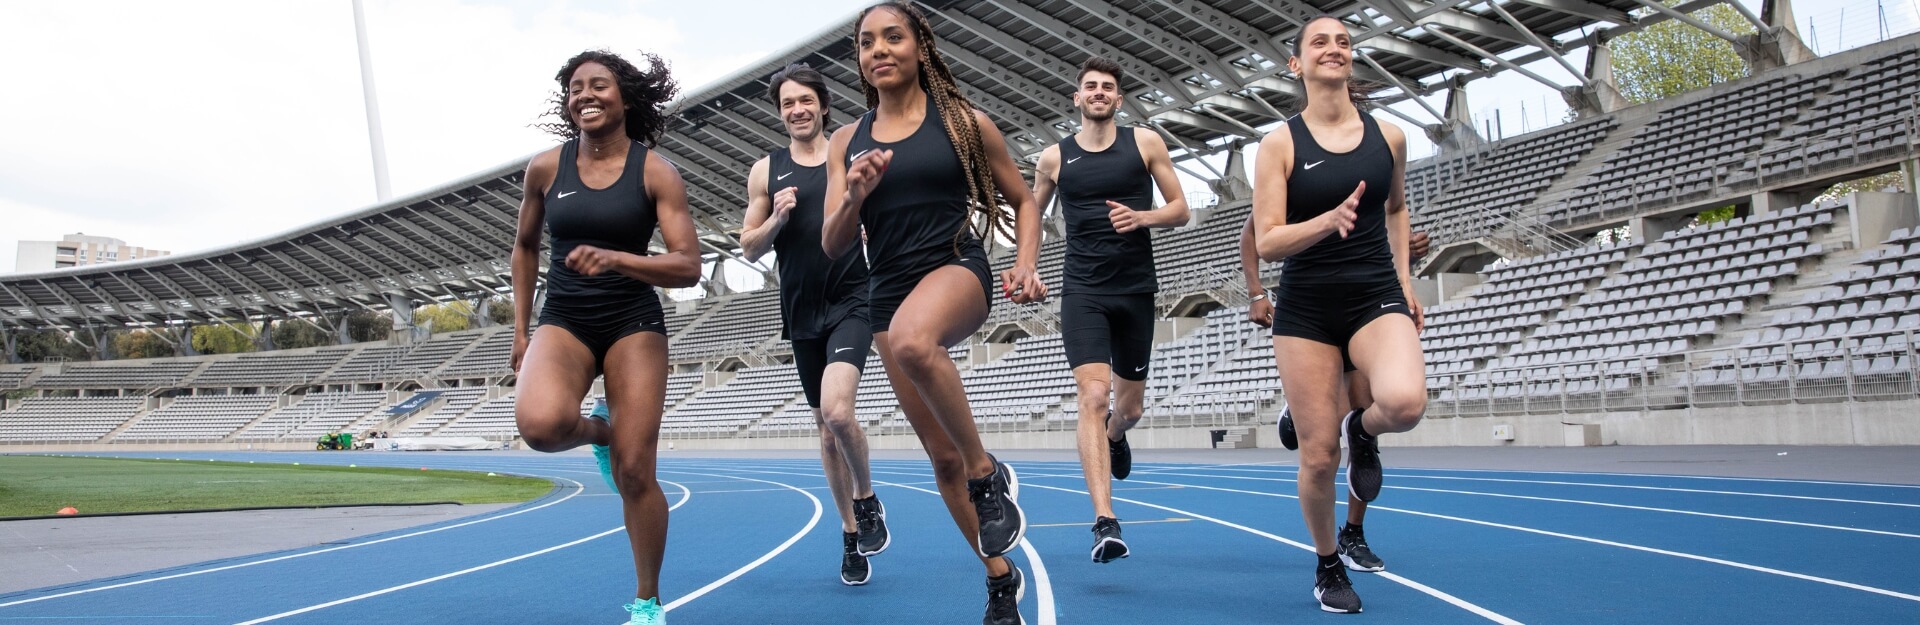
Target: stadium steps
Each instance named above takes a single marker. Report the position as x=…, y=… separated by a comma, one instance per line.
x=350, y=355
x=457, y=356
x=420, y=413
x=131, y=421
x=800, y=399
x=709, y=310
x=1595, y=158
x=186, y=381
x=235, y=435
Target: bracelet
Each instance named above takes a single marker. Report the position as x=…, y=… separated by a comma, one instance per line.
x=1257, y=298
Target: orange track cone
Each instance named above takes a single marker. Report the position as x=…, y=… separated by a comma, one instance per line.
x=69, y=511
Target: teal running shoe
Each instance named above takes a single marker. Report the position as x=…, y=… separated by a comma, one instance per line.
x=646, y=612
x=601, y=455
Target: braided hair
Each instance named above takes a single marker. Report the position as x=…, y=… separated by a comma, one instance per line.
x=993, y=217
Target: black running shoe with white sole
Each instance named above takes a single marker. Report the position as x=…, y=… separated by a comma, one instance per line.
x=1003, y=597
x=1289, y=438
x=854, y=568
x=1354, y=552
x=870, y=518
x=1333, y=590
x=1363, y=459
x=1107, y=544
x=1120, y=457
x=1002, y=524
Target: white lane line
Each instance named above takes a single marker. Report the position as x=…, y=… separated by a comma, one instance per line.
x=1043, y=584
x=1587, y=484
x=1666, y=510
x=762, y=559
x=577, y=488
x=684, y=496
x=1423, y=588
x=1599, y=541
x=1290, y=468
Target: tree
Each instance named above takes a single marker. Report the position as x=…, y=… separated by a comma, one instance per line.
x=48, y=345
x=452, y=316
x=1673, y=57
x=501, y=310
x=223, y=338
x=1891, y=180
x=366, y=325
x=141, y=344
x=297, y=334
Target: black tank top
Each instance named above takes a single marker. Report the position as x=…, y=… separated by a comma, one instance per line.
x=921, y=202
x=619, y=217
x=815, y=291
x=1320, y=181
x=1099, y=260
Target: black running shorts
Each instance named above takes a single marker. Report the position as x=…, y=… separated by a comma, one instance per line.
x=1332, y=314
x=847, y=341
x=1114, y=330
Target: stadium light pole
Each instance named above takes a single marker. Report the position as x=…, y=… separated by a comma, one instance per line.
x=375, y=139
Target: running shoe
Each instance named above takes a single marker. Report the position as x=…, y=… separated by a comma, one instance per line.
x=1003, y=597
x=1363, y=459
x=854, y=568
x=1107, y=544
x=870, y=518
x=646, y=612
x=602, y=456
x=1002, y=524
x=1354, y=552
x=1120, y=457
x=1289, y=438
x=1333, y=590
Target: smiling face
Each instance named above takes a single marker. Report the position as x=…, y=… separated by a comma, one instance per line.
x=1098, y=97
x=1324, y=52
x=801, y=111
x=593, y=99
x=889, y=50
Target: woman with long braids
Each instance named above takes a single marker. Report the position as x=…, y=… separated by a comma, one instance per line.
x=1329, y=199
x=600, y=196
x=923, y=173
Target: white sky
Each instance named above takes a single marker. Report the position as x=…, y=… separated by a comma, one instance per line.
x=182, y=126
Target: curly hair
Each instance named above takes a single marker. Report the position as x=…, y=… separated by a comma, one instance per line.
x=644, y=92
x=956, y=112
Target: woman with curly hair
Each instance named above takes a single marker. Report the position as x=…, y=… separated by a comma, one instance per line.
x=600, y=195
x=924, y=173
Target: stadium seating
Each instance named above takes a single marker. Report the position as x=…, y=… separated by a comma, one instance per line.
x=315, y=414
x=270, y=369
x=1509, y=176
x=198, y=418
x=66, y=419
x=751, y=394
x=457, y=401
x=489, y=357
x=1863, y=115
x=120, y=375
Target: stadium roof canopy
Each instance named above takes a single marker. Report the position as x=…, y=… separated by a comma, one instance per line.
x=1205, y=74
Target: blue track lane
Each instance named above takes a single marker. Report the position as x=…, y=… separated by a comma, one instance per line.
x=1211, y=545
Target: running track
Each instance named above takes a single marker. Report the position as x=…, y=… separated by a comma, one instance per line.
x=757, y=541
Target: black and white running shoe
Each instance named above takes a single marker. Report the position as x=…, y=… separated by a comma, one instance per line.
x=854, y=568
x=1002, y=524
x=1003, y=597
x=1333, y=590
x=1289, y=438
x=1354, y=552
x=1107, y=544
x=1363, y=459
x=1120, y=457
x=870, y=518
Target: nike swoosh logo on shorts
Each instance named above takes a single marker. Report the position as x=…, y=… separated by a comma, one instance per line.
x=1389, y=304
x=1140, y=369
x=564, y=194
x=841, y=350
x=1314, y=164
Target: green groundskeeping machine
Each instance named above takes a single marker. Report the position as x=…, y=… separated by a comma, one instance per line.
x=334, y=442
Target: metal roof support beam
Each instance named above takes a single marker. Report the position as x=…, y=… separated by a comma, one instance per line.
x=483, y=249
x=433, y=255
x=737, y=143
x=180, y=292
x=1447, y=17
x=1515, y=67
x=760, y=130
x=1411, y=94
x=1095, y=46
x=1583, y=8
x=1739, y=43
x=1195, y=57
x=492, y=230
x=1539, y=43
x=421, y=235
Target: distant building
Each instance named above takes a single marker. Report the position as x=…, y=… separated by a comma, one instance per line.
x=76, y=250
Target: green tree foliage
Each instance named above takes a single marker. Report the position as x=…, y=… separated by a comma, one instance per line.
x=223, y=338
x=1714, y=216
x=500, y=312
x=1890, y=180
x=366, y=325
x=141, y=344
x=452, y=316
x=297, y=334
x=1673, y=57
x=48, y=345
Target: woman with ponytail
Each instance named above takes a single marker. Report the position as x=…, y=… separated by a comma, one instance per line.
x=928, y=178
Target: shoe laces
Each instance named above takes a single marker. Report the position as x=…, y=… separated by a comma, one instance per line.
x=1331, y=577
x=866, y=516
x=985, y=500
x=1003, y=598
x=644, y=612
x=1102, y=524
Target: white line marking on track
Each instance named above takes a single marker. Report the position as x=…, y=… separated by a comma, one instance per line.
x=684, y=496
x=762, y=559
x=1423, y=588
x=1667, y=510
x=1290, y=468
x=577, y=488
x=1599, y=541
x=1589, y=484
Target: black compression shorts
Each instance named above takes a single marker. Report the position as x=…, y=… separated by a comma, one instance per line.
x=847, y=341
x=1115, y=330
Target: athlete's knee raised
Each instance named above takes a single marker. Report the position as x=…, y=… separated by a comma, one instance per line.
x=1400, y=409
x=544, y=435
x=918, y=355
